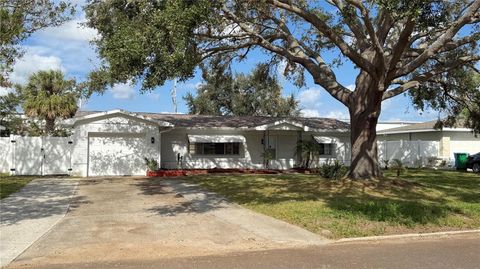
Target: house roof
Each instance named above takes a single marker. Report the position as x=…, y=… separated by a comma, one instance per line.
x=427, y=126
x=204, y=121
x=100, y=114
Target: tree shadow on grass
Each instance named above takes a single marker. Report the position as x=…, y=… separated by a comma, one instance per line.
x=399, y=202
x=391, y=210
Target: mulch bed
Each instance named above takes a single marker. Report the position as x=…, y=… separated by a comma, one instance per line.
x=189, y=172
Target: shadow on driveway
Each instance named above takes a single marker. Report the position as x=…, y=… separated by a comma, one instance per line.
x=39, y=199
x=197, y=200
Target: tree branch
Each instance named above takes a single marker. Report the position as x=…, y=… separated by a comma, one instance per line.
x=328, y=32
x=355, y=25
x=402, y=44
x=415, y=82
x=442, y=40
x=321, y=72
x=370, y=29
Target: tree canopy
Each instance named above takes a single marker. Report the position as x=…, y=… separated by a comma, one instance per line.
x=396, y=46
x=8, y=112
x=21, y=18
x=258, y=94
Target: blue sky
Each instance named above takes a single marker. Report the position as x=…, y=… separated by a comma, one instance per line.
x=68, y=48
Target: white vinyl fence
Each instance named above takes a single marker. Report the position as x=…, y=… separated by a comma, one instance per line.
x=411, y=153
x=35, y=155
x=53, y=155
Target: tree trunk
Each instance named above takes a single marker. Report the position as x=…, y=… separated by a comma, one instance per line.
x=49, y=125
x=364, y=113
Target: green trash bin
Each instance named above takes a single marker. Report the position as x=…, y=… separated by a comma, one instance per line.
x=461, y=161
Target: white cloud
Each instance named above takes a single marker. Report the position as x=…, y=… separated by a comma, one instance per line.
x=189, y=85
x=351, y=87
x=310, y=113
x=32, y=62
x=123, y=91
x=73, y=30
x=337, y=114
x=310, y=95
x=314, y=113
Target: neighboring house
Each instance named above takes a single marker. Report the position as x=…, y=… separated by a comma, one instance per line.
x=447, y=140
x=383, y=125
x=115, y=143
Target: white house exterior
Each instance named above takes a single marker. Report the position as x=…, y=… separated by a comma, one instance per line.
x=116, y=143
x=441, y=143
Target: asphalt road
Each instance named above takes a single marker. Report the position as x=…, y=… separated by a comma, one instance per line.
x=460, y=251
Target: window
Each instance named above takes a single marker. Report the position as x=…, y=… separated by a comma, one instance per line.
x=326, y=149
x=215, y=148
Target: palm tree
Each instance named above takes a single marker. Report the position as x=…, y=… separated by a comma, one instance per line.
x=49, y=96
x=308, y=151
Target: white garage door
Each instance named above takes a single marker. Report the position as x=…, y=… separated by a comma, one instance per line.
x=116, y=154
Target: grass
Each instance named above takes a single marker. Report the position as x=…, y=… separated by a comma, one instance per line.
x=11, y=184
x=420, y=201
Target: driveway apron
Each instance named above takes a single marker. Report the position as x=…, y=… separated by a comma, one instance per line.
x=30, y=213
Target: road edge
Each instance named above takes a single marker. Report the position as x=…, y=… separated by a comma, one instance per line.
x=405, y=236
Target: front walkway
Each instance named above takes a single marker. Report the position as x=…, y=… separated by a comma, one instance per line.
x=121, y=219
x=28, y=214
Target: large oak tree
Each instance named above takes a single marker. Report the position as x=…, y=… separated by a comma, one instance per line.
x=396, y=45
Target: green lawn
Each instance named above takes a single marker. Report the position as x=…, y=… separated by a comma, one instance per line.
x=10, y=184
x=419, y=201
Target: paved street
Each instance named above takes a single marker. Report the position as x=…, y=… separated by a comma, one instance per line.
x=460, y=251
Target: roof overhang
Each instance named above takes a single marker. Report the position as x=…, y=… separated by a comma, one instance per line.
x=293, y=124
x=324, y=139
x=116, y=113
x=386, y=132
x=216, y=139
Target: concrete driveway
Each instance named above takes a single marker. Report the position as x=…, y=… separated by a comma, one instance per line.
x=120, y=219
x=28, y=214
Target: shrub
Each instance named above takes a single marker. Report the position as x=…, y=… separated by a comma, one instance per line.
x=335, y=170
x=398, y=167
x=152, y=164
x=386, y=162
x=267, y=155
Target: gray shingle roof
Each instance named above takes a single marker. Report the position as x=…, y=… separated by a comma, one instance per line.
x=204, y=121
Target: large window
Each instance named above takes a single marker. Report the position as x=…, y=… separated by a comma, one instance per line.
x=326, y=149
x=214, y=148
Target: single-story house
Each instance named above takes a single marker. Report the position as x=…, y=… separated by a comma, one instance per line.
x=449, y=140
x=116, y=142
